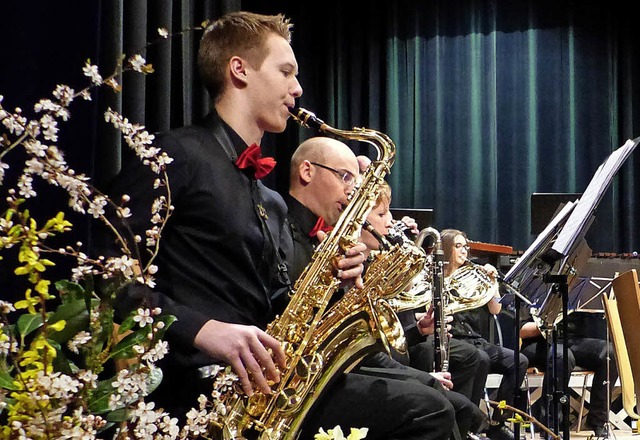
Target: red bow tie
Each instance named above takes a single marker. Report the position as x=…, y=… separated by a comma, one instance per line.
x=251, y=158
x=320, y=225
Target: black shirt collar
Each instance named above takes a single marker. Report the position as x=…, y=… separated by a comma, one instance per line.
x=239, y=145
x=302, y=215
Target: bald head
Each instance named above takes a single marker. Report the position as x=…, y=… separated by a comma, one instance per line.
x=317, y=149
x=363, y=163
x=318, y=168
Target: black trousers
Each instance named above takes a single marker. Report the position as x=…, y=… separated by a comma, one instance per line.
x=502, y=361
x=588, y=353
x=468, y=416
x=469, y=369
x=392, y=408
x=388, y=402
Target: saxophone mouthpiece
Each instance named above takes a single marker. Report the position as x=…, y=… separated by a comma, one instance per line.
x=384, y=243
x=306, y=118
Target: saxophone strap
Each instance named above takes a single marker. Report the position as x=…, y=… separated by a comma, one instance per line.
x=221, y=135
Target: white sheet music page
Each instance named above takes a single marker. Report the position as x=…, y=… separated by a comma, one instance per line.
x=528, y=258
x=576, y=224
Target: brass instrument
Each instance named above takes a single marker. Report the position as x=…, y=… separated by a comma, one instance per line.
x=315, y=350
x=418, y=293
x=469, y=287
x=390, y=271
x=425, y=289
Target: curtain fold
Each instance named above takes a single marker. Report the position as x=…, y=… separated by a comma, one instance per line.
x=488, y=101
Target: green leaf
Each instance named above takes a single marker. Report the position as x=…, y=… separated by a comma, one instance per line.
x=70, y=291
x=118, y=415
x=6, y=381
x=124, y=349
x=127, y=324
x=107, y=427
x=69, y=310
x=77, y=317
x=99, y=400
x=29, y=323
x=168, y=320
x=155, y=377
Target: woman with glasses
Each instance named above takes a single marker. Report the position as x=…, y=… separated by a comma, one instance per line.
x=468, y=326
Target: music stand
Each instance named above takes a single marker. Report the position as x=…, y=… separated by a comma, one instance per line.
x=568, y=227
x=544, y=206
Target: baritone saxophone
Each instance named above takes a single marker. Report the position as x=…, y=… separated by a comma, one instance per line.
x=315, y=353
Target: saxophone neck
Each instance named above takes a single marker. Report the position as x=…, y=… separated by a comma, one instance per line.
x=384, y=243
x=386, y=149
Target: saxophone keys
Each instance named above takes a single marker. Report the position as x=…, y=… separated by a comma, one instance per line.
x=256, y=404
x=287, y=398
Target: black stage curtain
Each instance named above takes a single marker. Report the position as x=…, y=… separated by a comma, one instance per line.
x=487, y=101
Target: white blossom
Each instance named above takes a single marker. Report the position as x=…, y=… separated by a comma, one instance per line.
x=92, y=72
x=5, y=306
x=25, y=188
x=79, y=340
x=137, y=62
x=3, y=167
x=143, y=317
x=14, y=123
x=157, y=352
x=64, y=94
x=96, y=206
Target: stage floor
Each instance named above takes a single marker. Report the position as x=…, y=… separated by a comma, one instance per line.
x=616, y=434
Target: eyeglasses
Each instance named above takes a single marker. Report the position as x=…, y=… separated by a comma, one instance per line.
x=347, y=176
x=462, y=245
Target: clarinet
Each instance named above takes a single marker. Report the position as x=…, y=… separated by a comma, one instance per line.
x=440, y=335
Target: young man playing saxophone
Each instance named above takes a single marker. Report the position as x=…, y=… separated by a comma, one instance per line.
x=219, y=252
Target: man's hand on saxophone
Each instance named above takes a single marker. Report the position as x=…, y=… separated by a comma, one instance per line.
x=350, y=267
x=253, y=355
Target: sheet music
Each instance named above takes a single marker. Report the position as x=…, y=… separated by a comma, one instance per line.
x=519, y=270
x=579, y=221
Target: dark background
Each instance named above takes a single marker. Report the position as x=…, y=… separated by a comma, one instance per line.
x=487, y=101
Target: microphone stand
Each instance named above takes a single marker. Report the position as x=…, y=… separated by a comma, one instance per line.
x=517, y=392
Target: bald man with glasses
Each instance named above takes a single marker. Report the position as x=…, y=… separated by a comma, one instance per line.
x=324, y=172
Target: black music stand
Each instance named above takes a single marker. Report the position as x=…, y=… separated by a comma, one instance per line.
x=527, y=273
x=558, y=247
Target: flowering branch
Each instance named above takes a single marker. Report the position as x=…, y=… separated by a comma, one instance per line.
x=50, y=361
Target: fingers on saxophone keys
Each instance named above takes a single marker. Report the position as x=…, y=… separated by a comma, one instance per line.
x=256, y=374
x=243, y=376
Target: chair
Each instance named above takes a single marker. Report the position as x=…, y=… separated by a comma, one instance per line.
x=622, y=315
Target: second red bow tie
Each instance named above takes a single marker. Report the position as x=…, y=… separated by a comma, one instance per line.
x=320, y=225
x=252, y=158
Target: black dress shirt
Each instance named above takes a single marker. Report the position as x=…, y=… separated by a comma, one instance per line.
x=215, y=260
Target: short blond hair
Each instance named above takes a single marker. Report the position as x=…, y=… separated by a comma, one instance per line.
x=384, y=196
x=241, y=34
